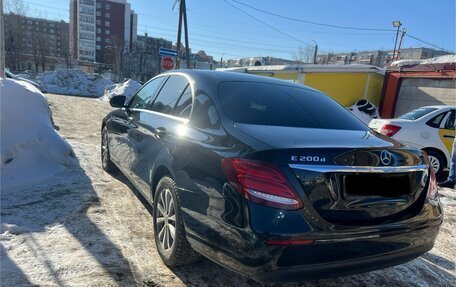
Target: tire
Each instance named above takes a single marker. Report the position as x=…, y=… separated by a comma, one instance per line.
x=437, y=162
x=106, y=162
x=174, y=251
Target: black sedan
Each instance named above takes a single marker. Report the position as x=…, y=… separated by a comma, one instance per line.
x=268, y=178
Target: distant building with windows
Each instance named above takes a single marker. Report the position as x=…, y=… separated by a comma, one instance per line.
x=256, y=61
x=101, y=30
x=378, y=58
x=35, y=44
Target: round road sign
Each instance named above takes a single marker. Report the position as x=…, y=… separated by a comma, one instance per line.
x=167, y=63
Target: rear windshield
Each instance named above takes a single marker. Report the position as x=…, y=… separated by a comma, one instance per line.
x=277, y=105
x=416, y=114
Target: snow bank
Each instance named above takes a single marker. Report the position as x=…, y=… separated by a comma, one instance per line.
x=365, y=111
x=440, y=60
x=127, y=88
x=436, y=60
x=31, y=151
x=74, y=82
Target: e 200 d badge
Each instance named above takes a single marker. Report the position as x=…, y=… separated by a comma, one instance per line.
x=308, y=158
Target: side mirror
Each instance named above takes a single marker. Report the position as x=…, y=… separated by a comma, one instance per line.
x=117, y=101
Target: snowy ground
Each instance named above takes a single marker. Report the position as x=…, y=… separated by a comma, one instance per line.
x=87, y=228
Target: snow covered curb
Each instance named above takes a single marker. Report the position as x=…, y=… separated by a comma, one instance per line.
x=127, y=88
x=74, y=82
x=31, y=151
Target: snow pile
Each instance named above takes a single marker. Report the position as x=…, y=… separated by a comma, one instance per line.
x=400, y=63
x=127, y=88
x=31, y=150
x=441, y=60
x=74, y=82
x=364, y=110
x=436, y=60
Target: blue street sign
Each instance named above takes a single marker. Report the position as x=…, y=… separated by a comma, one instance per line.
x=167, y=52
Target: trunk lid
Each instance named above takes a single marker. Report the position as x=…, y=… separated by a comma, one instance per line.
x=346, y=178
x=279, y=137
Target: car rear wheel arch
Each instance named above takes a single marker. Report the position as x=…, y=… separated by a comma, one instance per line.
x=439, y=154
x=160, y=172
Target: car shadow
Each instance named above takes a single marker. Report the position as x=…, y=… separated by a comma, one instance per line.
x=62, y=205
x=123, y=179
x=207, y=273
x=439, y=260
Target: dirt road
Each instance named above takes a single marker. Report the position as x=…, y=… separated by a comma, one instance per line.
x=88, y=228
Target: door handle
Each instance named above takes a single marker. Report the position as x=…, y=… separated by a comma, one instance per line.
x=130, y=119
x=161, y=131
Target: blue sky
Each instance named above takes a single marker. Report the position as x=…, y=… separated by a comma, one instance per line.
x=219, y=28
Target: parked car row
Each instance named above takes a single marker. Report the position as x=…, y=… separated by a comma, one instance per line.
x=271, y=179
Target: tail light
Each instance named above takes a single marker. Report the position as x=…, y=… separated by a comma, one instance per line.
x=433, y=191
x=389, y=130
x=261, y=182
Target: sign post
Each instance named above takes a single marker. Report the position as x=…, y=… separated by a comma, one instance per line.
x=167, y=63
x=168, y=58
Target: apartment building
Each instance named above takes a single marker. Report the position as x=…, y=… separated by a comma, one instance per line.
x=35, y=44
x=101, y=29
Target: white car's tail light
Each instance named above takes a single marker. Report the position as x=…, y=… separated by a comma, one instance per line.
x=389, y=130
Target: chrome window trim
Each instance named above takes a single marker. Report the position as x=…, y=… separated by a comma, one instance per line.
x=360, y=169
x=184, y=120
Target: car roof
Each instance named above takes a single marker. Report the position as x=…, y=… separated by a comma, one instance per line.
x=225, y=76
x=439, y=106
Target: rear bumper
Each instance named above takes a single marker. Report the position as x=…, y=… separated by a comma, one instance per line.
x=342, y=267
x=324, y=258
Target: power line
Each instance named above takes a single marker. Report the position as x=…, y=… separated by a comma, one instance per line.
x=429, y=44
x=270, y=26
x=312, y=22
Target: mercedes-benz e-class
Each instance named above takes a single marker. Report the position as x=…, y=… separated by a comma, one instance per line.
x=268, y=178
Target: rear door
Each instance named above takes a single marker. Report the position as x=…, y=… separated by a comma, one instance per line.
x=153, y=126
x=447, y=132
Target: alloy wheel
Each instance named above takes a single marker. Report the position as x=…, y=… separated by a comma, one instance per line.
x=435, y=163
x=166, y=220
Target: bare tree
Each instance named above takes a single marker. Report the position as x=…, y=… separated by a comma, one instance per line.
x=304, y=55
x=115, y=53
x=17, y=7
x=13, y=32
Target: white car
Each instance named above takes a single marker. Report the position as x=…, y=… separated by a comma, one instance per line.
x=429, y=128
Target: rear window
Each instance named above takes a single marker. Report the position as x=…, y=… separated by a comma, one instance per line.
x=416, y=114
x=277, y=105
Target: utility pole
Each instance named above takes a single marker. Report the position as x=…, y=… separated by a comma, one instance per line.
x=187, y=49
x=179, y=32
x=2, y=42
x=315, y=54
x=183, y=16
x=404, y=31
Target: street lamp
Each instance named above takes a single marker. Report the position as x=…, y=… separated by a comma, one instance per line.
x=397, y=24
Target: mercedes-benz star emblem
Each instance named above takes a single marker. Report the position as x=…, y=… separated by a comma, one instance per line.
x=386, y=157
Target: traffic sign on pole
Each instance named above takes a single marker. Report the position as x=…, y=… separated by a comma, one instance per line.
x=167, y=63
x=167, y=52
